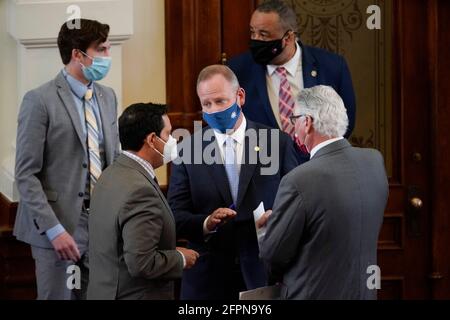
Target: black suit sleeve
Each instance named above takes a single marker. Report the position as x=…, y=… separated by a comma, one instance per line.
x=348, y=95
x=189, y=225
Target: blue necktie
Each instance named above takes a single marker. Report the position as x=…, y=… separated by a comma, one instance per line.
x=231, y=167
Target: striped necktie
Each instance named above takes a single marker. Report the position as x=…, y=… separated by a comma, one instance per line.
x=95, y=163
x=286, y=102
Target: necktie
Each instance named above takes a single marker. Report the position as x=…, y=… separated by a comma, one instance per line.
x=231, y=167
x=95, y=163
x=286, y=102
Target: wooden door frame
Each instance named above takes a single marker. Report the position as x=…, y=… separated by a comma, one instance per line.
x=420, y=59
x=439, y=64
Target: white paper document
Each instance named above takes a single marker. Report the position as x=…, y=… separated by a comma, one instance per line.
x=257, y=214
x=264, y=293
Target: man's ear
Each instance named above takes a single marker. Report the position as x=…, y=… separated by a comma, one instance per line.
x=151, y=139
x=291, y=37
x=309, y=125
x=241, y=95
x=76, y=55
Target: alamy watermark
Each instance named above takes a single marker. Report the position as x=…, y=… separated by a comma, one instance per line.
x=74, y=15
x=262, y=146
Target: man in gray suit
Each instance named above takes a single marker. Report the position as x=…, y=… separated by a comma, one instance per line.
x=67, y=134
x=322, y=234
x=131, y=227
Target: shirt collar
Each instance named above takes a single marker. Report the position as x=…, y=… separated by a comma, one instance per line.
x=238, y=135
x=77, y=87
x=290, y=66
x=323, y=145
x=144, y=163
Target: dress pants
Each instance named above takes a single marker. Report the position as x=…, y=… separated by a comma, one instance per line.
x=51, y=272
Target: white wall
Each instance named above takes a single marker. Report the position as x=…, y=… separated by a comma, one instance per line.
x=138, y=69
x=8, y=102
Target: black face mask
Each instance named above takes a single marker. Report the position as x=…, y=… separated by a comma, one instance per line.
x=265, y=51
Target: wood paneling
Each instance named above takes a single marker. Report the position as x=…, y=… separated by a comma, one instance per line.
x=193, y=41
x=236, y=25
x=17, y=280
x=197, y=33
x=439, y=61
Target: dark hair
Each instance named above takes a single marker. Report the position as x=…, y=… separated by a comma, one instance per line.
x=288, y=18
x=138, y=121
x=89, y=32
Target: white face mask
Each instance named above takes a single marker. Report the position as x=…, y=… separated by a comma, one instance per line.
x=170, y=149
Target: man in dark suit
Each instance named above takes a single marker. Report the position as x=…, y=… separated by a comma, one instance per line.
x=213, y=201
x=278, y=67
x=322, y=236
x=67, y=134
x=132, y=250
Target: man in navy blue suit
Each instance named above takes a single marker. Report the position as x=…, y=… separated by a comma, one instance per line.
x=222, y=175
x=278, y=67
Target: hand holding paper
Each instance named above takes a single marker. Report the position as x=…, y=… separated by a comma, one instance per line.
x=261, y=216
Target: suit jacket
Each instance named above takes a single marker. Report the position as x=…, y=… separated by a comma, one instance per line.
x=322, y=235
x=330, y=69
x=197, y=190
x=52, y=160
x=131, y=237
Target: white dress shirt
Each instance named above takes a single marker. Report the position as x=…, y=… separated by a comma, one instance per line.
x=295, y=77
x=238, y=135
x=323, y=145
x=144, y=163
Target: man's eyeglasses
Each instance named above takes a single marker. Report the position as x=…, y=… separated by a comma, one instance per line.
x=293, y=118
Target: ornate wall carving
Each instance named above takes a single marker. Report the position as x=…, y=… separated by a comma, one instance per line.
x=340, y=26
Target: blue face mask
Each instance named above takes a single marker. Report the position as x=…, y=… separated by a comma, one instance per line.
x=98, y=69
x=223, y=120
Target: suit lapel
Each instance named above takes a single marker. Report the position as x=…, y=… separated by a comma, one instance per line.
x=259, y=72
x=310, y=70
x=105, y=112
x=66, y=96
x=126, y=161
x=218, y=173
x=247, y=168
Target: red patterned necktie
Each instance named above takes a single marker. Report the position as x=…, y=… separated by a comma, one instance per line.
x=286, y=102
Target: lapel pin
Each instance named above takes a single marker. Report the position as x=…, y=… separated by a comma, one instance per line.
x=314, y=73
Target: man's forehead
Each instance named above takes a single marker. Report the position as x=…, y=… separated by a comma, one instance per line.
x=215, y=85
x=265, y=20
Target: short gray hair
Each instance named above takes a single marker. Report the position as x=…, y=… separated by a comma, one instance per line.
x=210, y=71
x=288, y=18
x=325, y=106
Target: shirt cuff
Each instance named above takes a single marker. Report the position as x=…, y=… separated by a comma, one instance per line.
x=184, y=259
x=205, y=229
x=52, y=233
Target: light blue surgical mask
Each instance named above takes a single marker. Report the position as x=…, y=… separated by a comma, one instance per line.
x=98, y=69
x=223, y=120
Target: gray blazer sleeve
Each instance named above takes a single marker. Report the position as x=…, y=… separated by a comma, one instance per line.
x=141, y=221
x=284, y=228
x=117, y=145
x=31, y=140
